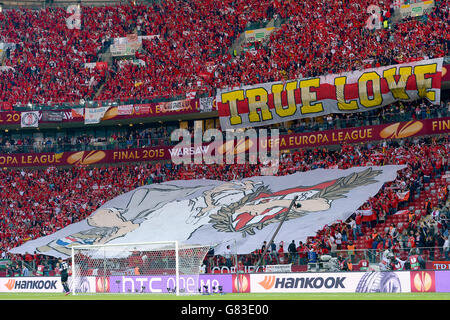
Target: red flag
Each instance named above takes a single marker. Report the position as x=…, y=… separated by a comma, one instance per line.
x=403, y=196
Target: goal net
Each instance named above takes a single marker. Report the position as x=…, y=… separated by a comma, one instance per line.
x=155, y=267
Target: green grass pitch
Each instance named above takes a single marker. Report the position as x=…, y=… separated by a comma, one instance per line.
x=231, y=296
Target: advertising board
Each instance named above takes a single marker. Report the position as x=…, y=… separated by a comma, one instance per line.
x=331, y=282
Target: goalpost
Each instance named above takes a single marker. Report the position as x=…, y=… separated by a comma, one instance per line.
x=153, y=267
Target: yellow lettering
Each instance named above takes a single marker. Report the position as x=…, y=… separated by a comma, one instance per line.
x=263, y=143
x=333, y=137
x=305, y=139
x=276, y=142
x=347, y=136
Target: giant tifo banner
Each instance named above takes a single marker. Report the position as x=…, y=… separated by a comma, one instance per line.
x=258, y=34
x=126, y=46
x=358, y=91
x=212, y=212
x=285, y=142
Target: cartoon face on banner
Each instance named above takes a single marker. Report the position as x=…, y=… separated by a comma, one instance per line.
x=175, y=212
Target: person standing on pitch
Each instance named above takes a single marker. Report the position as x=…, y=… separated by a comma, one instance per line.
x=63, y=269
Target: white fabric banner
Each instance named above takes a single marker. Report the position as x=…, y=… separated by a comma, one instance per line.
x=94, y=115
x=245, y=212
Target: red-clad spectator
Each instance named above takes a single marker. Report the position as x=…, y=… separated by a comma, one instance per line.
x=411, y=240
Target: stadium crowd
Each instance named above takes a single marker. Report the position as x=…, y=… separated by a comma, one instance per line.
x=47, y=64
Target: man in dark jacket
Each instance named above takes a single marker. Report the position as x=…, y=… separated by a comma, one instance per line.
x=292, y=250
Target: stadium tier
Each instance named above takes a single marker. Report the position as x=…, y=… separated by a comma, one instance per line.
x=173, y=48
x=354, y=94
